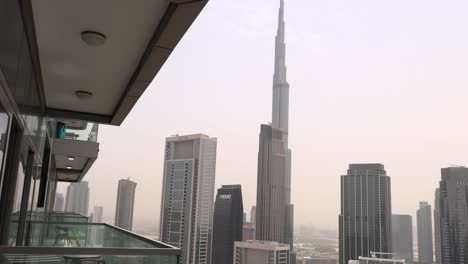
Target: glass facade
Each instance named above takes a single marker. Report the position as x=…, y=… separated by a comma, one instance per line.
x=365, y=219
x=187, y=197
x=227, y=223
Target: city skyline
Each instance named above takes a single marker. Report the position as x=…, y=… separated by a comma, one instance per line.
x=266, y=131
x=339, y=65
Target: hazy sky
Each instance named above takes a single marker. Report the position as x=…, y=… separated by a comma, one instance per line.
x=370, y=81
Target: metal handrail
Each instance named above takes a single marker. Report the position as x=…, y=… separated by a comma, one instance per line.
x=89, y=251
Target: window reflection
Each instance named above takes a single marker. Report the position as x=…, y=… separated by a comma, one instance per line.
x=3, y=135
x=19, y=188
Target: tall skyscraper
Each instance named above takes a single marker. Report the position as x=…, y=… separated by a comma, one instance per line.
x=253, y=212
x=187, y=196
x=402, y=237
x=96, y=237
x=227, y=223
x=274, y=216
x=453, y=215
x=59, y=202
x=261, y=252
x=438, y=247
x=77, y=199
x=424, y=218
x=97, y=214
x=124, y=204
x=365, y=219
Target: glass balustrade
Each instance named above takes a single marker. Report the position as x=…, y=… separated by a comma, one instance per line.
x=78, y=242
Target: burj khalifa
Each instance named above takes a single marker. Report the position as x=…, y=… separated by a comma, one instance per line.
x=274, y=209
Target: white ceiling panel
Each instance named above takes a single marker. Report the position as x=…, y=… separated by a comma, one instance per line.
x=68, y=64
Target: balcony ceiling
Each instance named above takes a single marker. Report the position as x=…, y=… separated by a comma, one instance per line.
x=139, y=37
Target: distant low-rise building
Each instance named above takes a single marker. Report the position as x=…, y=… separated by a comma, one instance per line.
x=317, y=260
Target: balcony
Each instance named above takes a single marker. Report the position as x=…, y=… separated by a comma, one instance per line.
x=67, y=242
x=75, y=149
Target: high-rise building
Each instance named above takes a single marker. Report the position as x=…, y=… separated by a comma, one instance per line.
x=424, y=219
x=253, y=212
x=248, y=231
x=402, y=237
x=453, y=215
x=365, y=219
x=264, y=252
x=96, y=237
x=124, y=204
x=227, y=223
x=77, y=199
x=97, y=214
x=437, y=245
x=274, y=216
x=59, y=202
x=187, y=196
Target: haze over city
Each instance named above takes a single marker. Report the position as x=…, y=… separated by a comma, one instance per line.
x=369, y=81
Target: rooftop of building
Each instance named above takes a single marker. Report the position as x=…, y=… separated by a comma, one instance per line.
x=366, y=166
x=260, y=244
x=178, y=137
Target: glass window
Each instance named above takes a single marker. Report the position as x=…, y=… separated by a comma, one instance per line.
x=176, y=205
x=177, y=195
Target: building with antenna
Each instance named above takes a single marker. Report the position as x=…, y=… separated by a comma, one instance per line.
x=274, y=211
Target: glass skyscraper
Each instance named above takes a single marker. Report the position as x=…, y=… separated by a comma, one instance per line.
x=187, y=196
x=77, y=199
x=124, y=204
x=424, y=218
x=452, y=211
x=437, y=244
x=274, y=216
x=365, y=219
x=402, y=237
x=227, y=223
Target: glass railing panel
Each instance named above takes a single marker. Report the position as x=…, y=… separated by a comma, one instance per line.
x=67, y=217
x=89, y=259
x=58, y=235
x=77, y=130
x=65, y=234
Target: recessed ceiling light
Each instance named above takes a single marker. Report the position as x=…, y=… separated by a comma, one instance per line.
x=93, y=38
x=83, y=94
x=69, y=167
x=71, y=158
